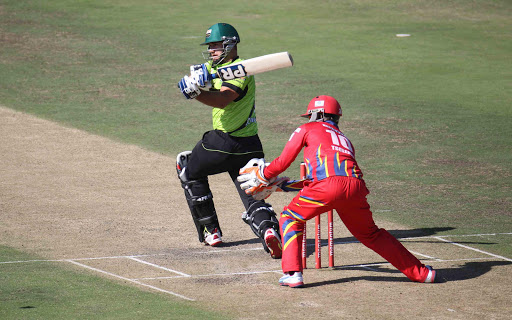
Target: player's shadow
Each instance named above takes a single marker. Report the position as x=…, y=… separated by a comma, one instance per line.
x=412, y=233
x=421, y=232
x=399, y=234
x=469, y=270
x=240, y=242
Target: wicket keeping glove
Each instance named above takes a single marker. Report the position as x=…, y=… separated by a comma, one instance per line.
x=263, y=192
x=252, y=177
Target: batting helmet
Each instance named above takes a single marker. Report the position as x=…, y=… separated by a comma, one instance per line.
x=221, y=32
x=322, y=105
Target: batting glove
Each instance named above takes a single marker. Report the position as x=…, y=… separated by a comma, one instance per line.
x=190, y=90
x=200, y=76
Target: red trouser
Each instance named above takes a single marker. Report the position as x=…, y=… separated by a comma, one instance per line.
x=347, y=196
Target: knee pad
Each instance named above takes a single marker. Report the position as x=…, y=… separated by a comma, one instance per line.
x=260, y=216
x=181, y=165
x=200, y=202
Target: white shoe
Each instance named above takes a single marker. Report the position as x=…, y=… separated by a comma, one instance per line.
x=212, y=238
x=431, y=277
x=273, y=242
x=292, y=281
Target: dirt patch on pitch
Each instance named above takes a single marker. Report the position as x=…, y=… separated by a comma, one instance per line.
x=66, y=194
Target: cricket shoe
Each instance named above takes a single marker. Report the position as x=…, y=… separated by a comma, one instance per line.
x=431, y=277
x=273, y=243
x=212, y=238
x=292, y=281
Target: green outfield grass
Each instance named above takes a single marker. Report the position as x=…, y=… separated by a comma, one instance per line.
x=430, y=114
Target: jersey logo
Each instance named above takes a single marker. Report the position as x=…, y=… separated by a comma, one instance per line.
x=232, y=72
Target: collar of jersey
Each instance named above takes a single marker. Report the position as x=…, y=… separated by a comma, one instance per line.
x=227, y=63
x=332, y=123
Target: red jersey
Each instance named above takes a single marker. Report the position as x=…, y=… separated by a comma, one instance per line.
x=327, y=152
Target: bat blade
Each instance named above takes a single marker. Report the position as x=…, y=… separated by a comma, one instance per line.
x=254, y=66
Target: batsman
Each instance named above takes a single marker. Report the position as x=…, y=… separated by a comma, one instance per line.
x=229, y=146
x=334, y=181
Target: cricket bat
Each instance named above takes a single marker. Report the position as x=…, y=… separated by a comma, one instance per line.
x=254, y=66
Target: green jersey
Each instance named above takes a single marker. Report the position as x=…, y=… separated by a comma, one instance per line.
x=238, y=118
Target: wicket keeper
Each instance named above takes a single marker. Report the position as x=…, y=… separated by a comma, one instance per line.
x=334, y=181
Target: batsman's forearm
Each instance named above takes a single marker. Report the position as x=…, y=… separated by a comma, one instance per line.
x=217, y=99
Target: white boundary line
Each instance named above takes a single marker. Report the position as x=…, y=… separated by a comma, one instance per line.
x=130, y=280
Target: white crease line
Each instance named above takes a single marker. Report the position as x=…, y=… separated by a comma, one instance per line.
x=227, y=250
x=255, y=249
x=159, y=267
x=128, y=256
x=457, y=235
x=112, y=257
x=477, y=234
x=425, y=237
x=260, y=248
x=371, y=269
x=366, y=266
x=339, y=242
x=130, y=280
x=387, y=263
x=25, y=261
x=161, y=254
x=212, y=275
x=235, y=273
x=424, y=255
x=474, y=249
x=466, y=259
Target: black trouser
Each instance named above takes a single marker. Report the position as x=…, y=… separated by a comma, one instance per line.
x=219, y=152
